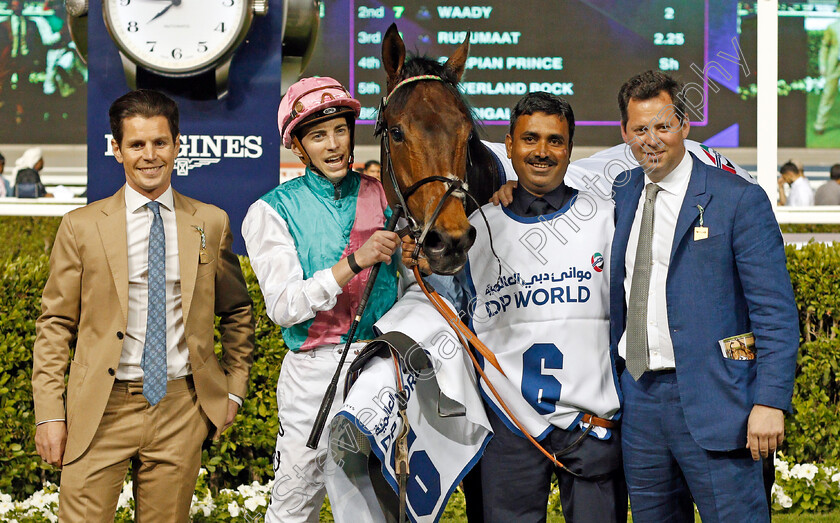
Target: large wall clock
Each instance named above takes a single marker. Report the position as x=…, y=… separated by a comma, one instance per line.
x=192, y=41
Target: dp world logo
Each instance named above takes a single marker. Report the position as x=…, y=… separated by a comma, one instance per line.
x=598, y=262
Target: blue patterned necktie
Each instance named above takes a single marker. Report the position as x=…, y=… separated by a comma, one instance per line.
x=154, y=350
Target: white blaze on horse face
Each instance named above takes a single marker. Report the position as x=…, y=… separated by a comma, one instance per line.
x=461, y=193
x=328, y=147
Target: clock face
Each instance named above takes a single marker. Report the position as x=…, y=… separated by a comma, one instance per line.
x=175, y=36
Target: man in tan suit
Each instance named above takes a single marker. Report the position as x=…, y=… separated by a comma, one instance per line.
x=135, y=281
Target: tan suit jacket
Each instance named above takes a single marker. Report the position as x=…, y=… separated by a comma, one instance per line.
x=85, y=301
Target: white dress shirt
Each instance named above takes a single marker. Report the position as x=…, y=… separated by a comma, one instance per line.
x=666, y=211
x=138, y=222
x=801, y=194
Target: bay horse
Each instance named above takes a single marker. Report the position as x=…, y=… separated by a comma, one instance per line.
x=434, y=162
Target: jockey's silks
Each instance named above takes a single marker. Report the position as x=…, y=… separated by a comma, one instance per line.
x=327, y=223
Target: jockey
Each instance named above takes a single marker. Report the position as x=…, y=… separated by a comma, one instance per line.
x=311, y=242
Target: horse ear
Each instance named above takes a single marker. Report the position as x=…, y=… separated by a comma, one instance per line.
x=458, y=60
x=393, y=54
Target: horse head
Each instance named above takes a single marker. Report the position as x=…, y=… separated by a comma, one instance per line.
x=427, y=132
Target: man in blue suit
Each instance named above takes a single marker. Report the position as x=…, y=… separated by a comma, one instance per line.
x=697, y=258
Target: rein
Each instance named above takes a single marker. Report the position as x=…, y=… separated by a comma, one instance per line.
x=467, y=337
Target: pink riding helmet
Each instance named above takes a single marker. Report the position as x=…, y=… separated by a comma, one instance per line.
x=308, y=97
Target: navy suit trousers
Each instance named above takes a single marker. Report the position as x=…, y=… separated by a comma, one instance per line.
x=666, y=469
x=516, y=477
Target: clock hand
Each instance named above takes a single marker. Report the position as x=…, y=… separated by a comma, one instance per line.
x=165, y=9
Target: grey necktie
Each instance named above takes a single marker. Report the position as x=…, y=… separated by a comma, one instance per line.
x=154, y=350
x=638, y=359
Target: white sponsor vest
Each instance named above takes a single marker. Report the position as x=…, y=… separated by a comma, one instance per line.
x=546, y=317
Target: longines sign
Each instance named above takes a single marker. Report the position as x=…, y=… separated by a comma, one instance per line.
x=199, y=150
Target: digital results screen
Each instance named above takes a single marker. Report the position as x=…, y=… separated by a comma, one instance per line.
x=809, y=44
x=43, y=82
x=581, y=50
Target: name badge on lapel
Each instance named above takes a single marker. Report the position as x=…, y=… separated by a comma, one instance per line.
x=700, y=232
x=203, y=255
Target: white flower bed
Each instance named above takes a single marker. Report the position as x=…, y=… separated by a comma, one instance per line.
x=805, y=487
x=246, y=503
x=799, y=488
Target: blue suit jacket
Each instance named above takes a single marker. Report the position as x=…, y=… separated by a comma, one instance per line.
x=731, y=283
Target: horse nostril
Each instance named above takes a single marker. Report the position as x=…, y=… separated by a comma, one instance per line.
x=466, y=241
x=434, y=243
x=437, y=243
x=470, y=238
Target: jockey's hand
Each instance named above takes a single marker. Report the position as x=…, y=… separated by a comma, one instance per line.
x=408, y=245
x=505, y=194
x=379, y=248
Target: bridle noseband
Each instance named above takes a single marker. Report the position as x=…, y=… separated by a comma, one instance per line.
x=457, y=188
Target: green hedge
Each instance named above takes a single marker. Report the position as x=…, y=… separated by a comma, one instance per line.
x=26, y=235
x=21, y=470
x=810, y=227
x=815, y=274
x=244, y=453
x=813, y=428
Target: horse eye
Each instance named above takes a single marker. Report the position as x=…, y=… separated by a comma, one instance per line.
x=397, y=134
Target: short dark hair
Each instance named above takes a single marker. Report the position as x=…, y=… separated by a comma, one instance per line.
x=542, y=102
x=789, y=167
x=372, y=162
x=146, y=103
x=835, y=171
x=647, y=85
x=2, y=158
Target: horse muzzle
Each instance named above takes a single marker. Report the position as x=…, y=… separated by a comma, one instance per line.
x=447, y=253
